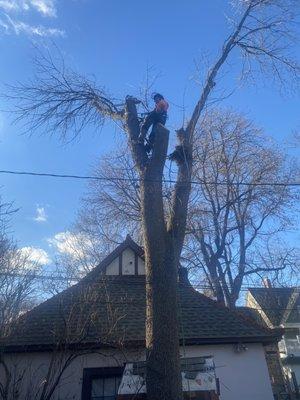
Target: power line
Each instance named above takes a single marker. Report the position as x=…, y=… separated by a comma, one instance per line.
x=131, y=301
x=117, y=179
x=109, y=281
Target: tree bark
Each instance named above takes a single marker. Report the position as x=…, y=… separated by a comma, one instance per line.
x=163, y=378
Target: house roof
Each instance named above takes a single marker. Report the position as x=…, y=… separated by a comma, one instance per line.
x=109, y=310
x=278, y=304
x=253, y=314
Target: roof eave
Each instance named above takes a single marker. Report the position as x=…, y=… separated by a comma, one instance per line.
x=33, y=348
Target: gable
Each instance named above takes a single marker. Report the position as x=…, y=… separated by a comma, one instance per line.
x=128, y=262
x=276, y=303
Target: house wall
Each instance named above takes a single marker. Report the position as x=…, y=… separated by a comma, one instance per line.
x=272, y=352
x=242, y=375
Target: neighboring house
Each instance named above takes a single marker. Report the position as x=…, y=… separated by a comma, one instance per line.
x=88, y=342
x=280, y=307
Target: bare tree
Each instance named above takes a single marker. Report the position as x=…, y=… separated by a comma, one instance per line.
x=109, y=211
x=77, y=253
x=18, y=286
x=115, y=196
x=236, y=215
x=66, y=102
x=17, y=273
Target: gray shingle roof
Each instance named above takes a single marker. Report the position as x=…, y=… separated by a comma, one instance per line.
x=253, y=314
x=105, y=310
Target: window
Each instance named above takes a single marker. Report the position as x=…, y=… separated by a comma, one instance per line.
x=101, y=383
x=291, y=333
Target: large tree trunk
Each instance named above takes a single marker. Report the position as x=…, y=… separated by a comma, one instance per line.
x=163, y=241
x=163, y=378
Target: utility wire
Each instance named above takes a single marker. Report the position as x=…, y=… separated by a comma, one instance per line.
x=112, y=281
x=99, y=178
x=104, y=282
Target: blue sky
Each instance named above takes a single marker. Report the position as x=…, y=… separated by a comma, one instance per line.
x=114, y=41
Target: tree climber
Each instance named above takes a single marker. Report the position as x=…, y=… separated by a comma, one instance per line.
x=157, y=116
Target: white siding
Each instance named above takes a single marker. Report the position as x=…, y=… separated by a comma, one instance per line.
x=113, y=267
x=128, y=259
x=242, y=375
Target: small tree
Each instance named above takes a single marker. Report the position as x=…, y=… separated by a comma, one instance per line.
x=63, y=101
x=18, y=288
x=17, y=274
